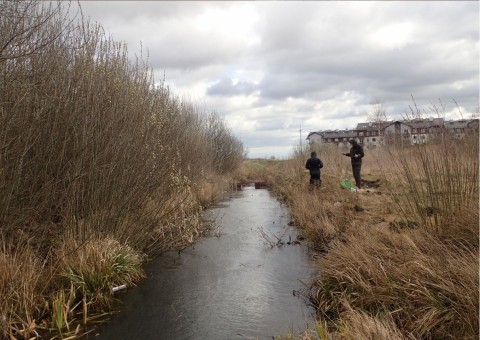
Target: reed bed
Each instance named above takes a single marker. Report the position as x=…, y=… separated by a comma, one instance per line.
x=93, y=149
x=399, y=261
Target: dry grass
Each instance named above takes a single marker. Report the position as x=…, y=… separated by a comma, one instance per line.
x=96, y=267
x=428, y=287
x=399, y=261
x=362, y=326
x=22, y=283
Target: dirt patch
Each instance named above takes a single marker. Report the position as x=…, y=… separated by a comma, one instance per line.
x=371, y=184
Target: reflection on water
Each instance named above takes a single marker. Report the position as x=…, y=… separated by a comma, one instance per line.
x=235, y=286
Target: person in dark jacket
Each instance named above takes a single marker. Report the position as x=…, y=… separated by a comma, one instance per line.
x=356, y=154
x=314, y=164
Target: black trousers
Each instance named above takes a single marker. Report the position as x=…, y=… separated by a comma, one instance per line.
x=315, y=178
x=356, y=168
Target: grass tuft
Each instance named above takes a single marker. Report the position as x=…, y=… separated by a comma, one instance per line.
x=98, y=266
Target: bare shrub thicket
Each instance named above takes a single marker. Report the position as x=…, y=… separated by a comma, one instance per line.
x=87, y=137
x=91, y=145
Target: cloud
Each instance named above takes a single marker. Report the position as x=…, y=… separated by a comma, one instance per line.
x=271, y=67
x=227, y=87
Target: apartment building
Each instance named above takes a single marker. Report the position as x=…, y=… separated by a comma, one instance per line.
x=399, y=132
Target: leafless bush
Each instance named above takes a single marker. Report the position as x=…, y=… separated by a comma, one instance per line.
x=87, y=136
x=91, y=147
x=28, y=28
x=227, y=149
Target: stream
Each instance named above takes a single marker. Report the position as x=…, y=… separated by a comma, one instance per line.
x=237, y=283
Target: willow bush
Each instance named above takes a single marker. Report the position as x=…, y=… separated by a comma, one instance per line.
x=92, y=146
x=88, y=136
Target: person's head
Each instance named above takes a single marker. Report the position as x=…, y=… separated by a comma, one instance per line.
x=313, y=154
x=352, y=141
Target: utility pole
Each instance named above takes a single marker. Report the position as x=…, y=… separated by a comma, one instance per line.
x=300, y=136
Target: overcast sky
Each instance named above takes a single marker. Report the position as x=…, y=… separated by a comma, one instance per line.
x=273, y=68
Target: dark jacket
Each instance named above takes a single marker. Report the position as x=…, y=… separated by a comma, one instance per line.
x=314, y=164
x=356, y=149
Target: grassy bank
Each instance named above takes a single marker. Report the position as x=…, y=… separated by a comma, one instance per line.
x=101, y=166
x=398, y=259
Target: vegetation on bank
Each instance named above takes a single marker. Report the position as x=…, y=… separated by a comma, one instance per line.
x=100, y=166
x=398, y=259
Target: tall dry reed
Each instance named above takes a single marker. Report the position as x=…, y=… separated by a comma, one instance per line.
x=434, y=182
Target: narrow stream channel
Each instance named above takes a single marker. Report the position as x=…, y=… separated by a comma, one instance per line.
x=231, y=285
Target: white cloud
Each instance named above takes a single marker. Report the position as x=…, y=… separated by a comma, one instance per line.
x=395, y=36
x=229, y=24
x=271, y=67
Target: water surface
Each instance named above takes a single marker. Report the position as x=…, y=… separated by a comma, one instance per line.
x=231, y=285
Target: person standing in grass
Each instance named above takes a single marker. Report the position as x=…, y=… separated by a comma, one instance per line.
x=314, y=164
x=356, y=154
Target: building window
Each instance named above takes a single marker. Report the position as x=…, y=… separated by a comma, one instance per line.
x=360, y=133
x=414, y=130
x=422, y=130
x=367, y=133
